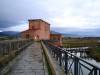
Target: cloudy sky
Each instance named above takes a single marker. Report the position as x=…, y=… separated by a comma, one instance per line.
x=63, y=15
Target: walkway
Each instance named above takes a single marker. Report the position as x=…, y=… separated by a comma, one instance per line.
x=31, y=62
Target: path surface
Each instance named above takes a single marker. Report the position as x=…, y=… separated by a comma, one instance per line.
x=31, y=62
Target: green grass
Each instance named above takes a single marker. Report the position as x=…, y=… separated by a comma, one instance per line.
x=95, y=54
x=97, y=49
x=79, y=44
x=47, y=62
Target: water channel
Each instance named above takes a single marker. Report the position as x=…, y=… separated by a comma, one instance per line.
x=84, y=56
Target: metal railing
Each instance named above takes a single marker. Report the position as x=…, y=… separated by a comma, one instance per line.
x=71, y=64
x=7, y=46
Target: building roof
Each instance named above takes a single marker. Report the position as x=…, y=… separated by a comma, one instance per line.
x=30, y=30
x=38, y=20
x=34, y=19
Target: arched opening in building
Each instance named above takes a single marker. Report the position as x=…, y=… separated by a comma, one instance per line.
x=36, y=38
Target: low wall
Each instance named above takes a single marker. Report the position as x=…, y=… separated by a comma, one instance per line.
x=56, y=69
x=9, y=60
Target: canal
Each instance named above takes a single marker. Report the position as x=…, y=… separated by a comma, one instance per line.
x=84, y=56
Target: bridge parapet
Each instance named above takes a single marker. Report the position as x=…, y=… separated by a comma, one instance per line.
x=7, y=46
x=75, y=66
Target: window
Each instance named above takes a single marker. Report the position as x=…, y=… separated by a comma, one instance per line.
x=33, y=27
x=27, y=36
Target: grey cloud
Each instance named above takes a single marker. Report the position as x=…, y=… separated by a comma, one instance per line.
x=75, y=30
x=15, y=12
x=81, y=32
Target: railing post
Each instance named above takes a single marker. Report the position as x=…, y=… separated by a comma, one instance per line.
x=75, y=66
x=3, y=49
x=9, y=44
x=66, y=63
x=12, y=45
x=60, y=58
x=95, y=71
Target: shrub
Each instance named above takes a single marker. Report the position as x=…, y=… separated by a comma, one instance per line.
x=4, y=59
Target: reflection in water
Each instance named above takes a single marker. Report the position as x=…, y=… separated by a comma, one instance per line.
x=84, y=56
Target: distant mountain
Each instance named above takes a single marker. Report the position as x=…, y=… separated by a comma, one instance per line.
x=53, y=32
x=73, y=34
x=79, y=35
x=70, y=35
x=88, y=32
x=18, y=34
x=3, y=35
x=66, y=34
x=10, y=33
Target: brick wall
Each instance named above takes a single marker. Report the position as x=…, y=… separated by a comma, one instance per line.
x=35, y=23
x=43, y=31
x=56, y=39
x=40, y=30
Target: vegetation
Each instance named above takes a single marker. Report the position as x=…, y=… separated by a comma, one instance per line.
x=97, y=49
x=47, y=62
x=81, y=42
x=4, y=59
x=8, y=38
x=93, y=54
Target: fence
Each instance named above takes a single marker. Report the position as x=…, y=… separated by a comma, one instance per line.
x=71, y=64
x=7, y=46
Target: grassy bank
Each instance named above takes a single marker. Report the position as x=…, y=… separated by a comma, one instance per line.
x=4, y=59
x=79, y=44
x=95, y=54
x=82, y=42
x=97, y=49
x=47, y=62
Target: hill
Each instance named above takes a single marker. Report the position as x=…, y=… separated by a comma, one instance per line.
x=18, y=34
x=66, y=34
x=53, y=32
x=3, y=35
x=10, y=33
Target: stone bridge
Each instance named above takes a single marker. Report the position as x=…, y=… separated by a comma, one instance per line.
x=28, y=61
x=25, y=57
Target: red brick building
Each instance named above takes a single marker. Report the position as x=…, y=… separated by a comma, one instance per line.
x=56, y=39
x=40, y=30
